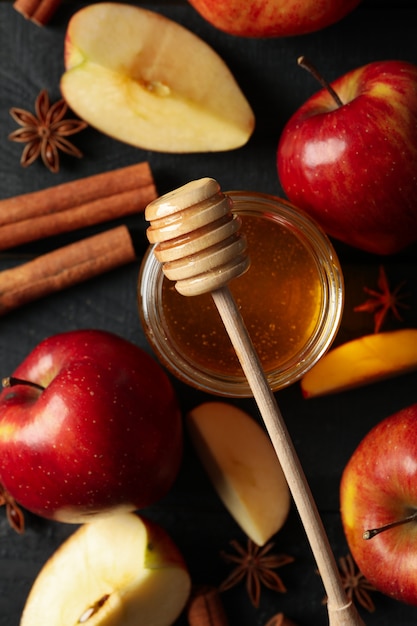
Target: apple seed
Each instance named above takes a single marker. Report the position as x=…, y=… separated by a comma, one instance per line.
x=93, y=609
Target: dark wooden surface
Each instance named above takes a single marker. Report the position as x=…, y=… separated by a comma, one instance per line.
x=325, y=431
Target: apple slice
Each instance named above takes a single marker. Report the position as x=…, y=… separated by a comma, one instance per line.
x=362, y=361
x=241, y=463
x=145, y=80
x=123, y=569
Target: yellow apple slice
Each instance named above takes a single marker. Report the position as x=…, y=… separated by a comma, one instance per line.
x=148, y=81
x=362, y=361
x=121, y=570
x=242, y=465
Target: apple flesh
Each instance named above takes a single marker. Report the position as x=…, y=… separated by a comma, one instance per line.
x=362, y=361
x=379, y=487
x=102, y=433
x=353, y=167
x=272, y=18
x=145, y=80
x=242, y=466
x=124, y=569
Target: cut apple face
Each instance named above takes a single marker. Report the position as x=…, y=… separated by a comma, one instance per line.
x=122, y=570
x=242, y=465
x=145, y=80
x=361, y=362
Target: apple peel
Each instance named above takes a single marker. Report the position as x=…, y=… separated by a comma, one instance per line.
x=362, y=361
x=90, y=426
x=360, y=187
x=272, y=18
x=242, y=466
x=157, y=86
x=123, y=569
x=378, y=505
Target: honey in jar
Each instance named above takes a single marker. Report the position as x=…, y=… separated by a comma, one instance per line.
x=290, y=300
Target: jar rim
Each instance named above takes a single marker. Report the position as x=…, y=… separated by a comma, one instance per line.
x=320, y=249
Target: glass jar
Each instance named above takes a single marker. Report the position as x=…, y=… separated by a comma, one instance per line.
x=291, y=300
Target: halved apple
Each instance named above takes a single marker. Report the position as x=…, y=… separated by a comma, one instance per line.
x=362, y=361
x=242, y=464
x=148, y=81
x=121, y=570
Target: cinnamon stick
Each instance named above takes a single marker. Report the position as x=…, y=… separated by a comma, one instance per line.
x=94, y=212
x=65, y=267
x=75, y=193
x=39, y=11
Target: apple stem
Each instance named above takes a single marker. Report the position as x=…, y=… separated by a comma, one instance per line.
x=368, y=534
x=307, y=65
x=11, y=381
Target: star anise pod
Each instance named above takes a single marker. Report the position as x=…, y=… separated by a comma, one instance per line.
x=383, y=301
x=256, y=566
x=356, y=586
x=279, y=619
x=45, y=132
x=13, y=511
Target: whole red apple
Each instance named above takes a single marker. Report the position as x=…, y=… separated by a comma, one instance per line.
x=379, y=505
x=101, y=432
x=272, y=18
x=352, y=165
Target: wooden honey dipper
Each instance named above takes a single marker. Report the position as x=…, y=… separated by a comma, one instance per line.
x=199, y=246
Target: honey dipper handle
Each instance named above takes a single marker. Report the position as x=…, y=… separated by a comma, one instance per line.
x=341, y=611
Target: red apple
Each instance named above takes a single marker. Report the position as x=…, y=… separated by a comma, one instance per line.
x=379, y=505
x=352, y=166
x=272, y=18
x=101, y=432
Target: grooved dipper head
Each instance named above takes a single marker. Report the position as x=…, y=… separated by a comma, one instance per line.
x=197, y=237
